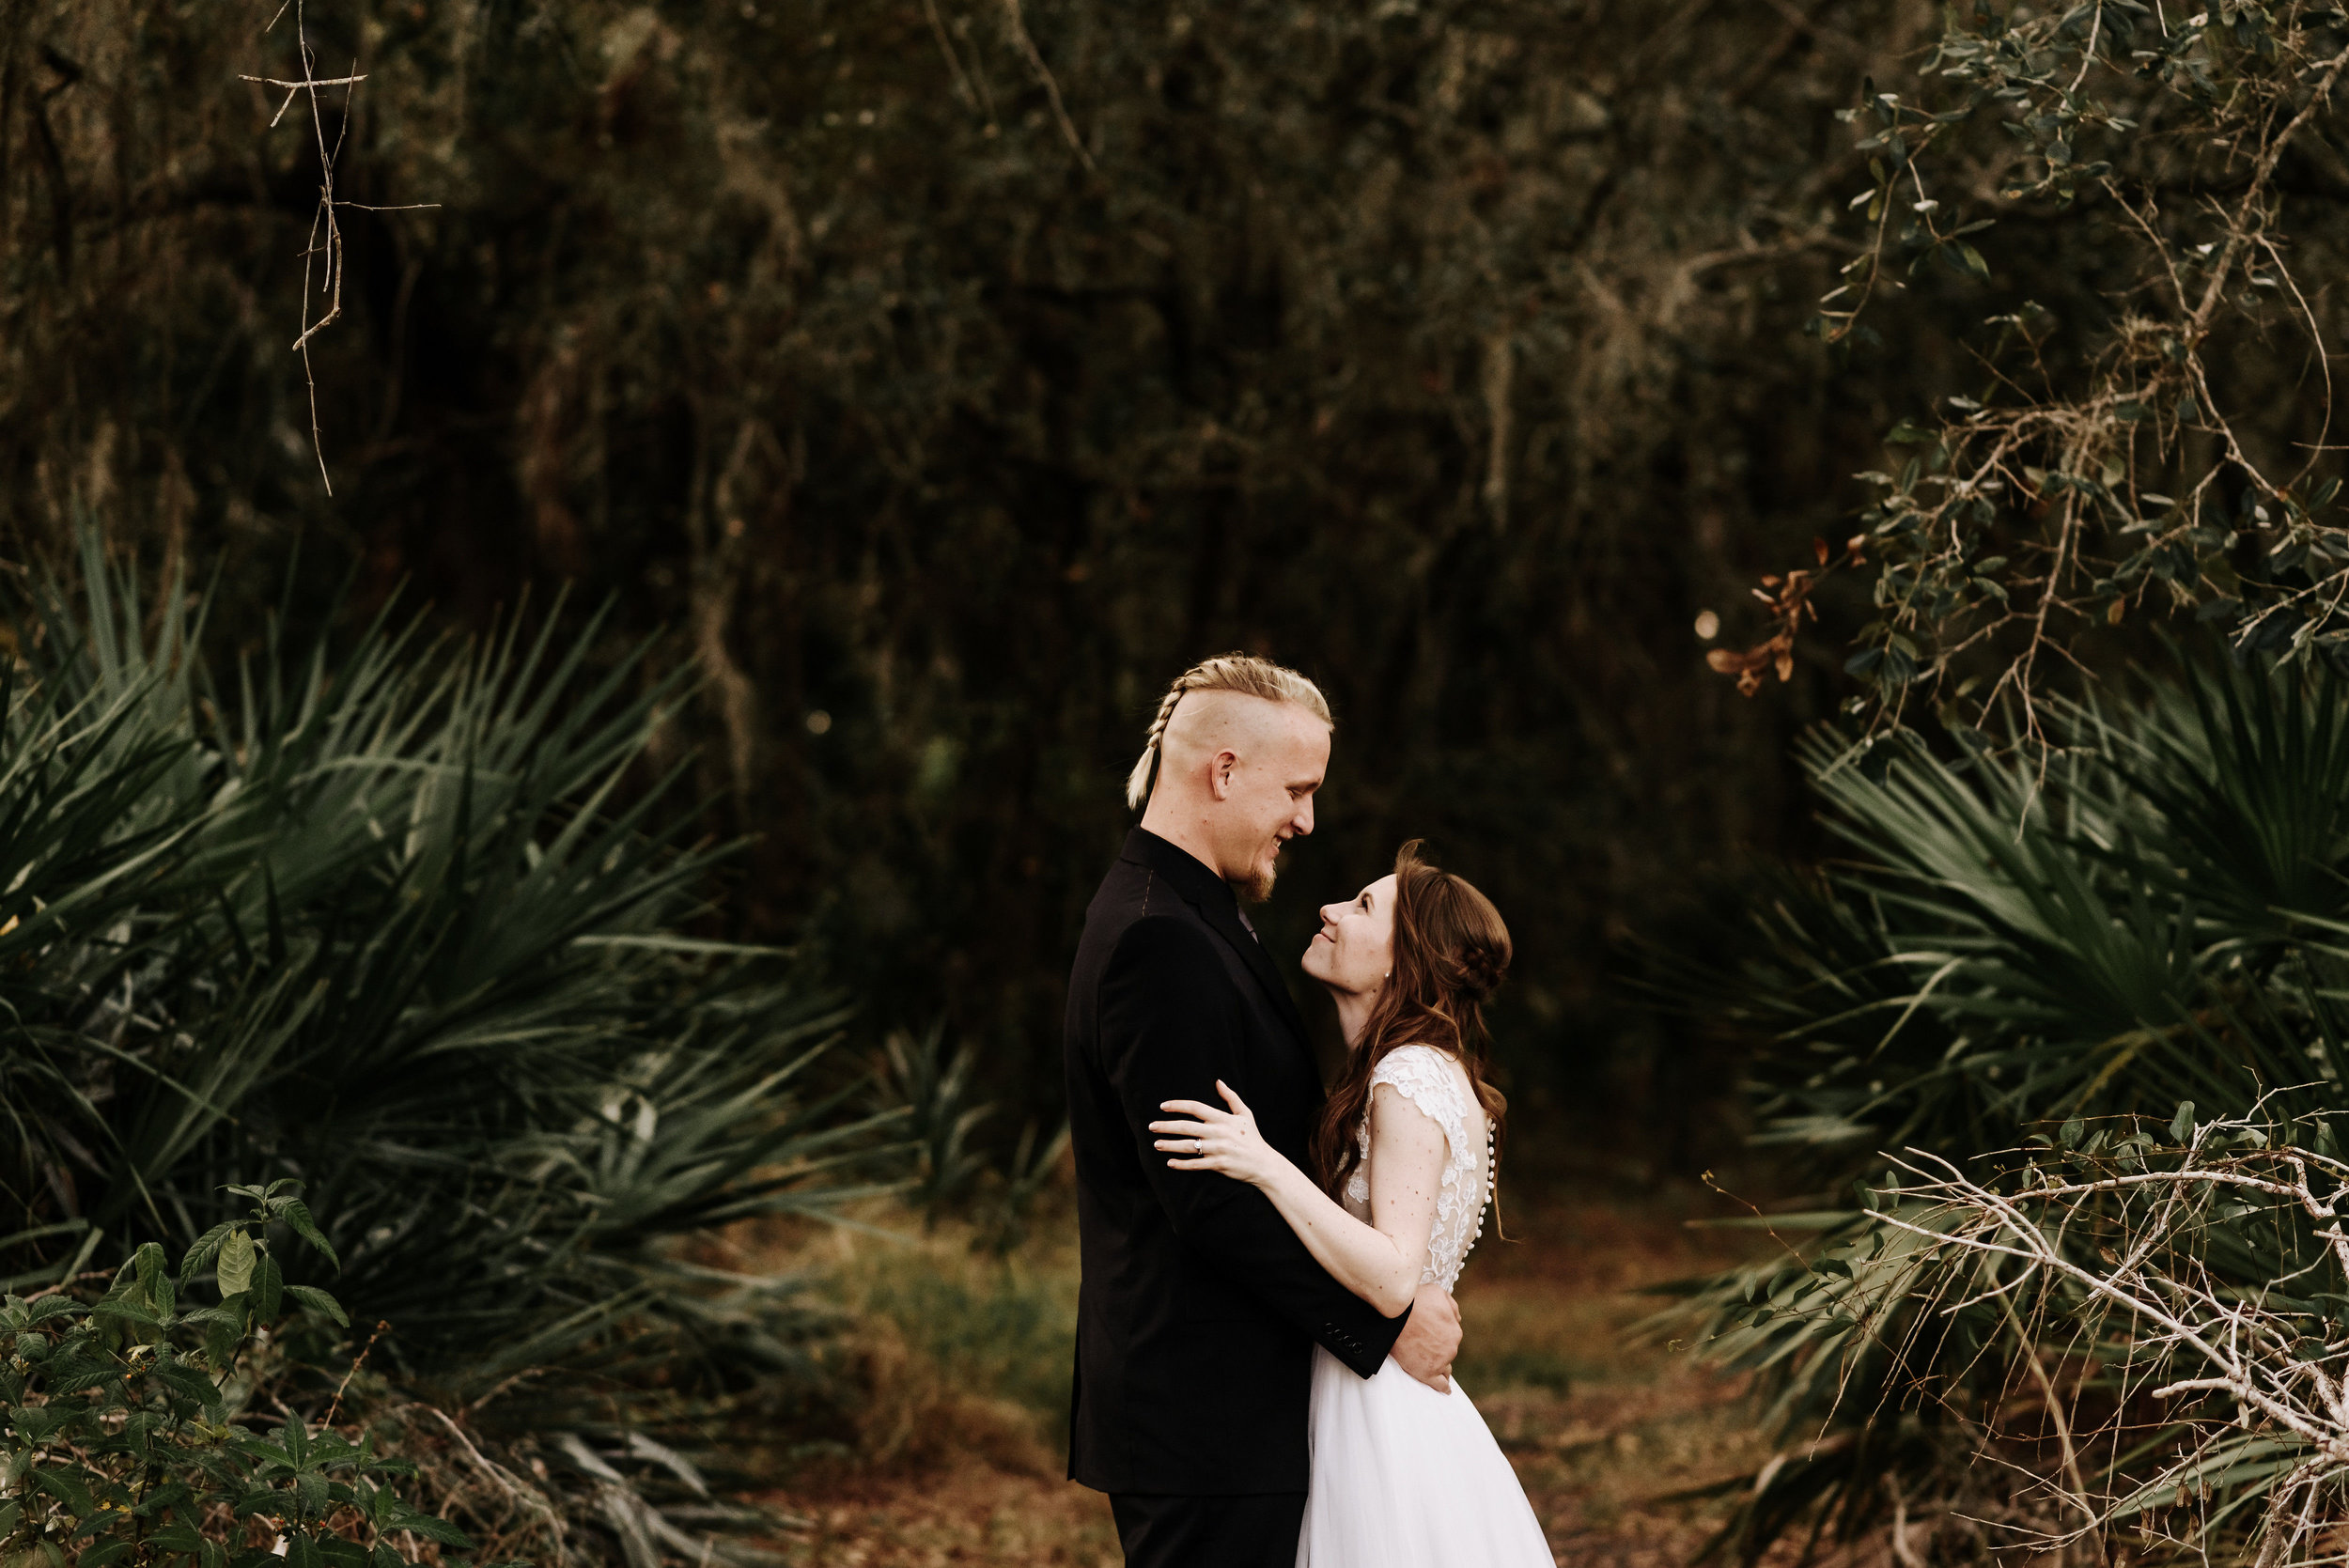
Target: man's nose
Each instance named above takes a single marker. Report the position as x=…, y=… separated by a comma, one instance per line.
x=1304, y=820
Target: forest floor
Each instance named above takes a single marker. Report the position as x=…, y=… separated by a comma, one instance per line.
x=959, y=1453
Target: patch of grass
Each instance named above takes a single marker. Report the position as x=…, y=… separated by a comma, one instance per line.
x=997, y=1328
x=966, y=1360
x=1527, y=1334
x=954, y=1353
x=1521, y=1368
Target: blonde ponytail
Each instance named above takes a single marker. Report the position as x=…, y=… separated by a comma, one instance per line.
x=1243, y=673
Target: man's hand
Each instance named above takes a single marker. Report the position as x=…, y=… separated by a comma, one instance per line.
x=1431, y=1338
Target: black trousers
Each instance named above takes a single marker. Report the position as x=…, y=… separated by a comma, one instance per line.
x=1252, y=1530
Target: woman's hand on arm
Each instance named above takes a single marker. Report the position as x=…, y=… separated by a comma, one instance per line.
x=1226, y=1142
x=1380, y=1262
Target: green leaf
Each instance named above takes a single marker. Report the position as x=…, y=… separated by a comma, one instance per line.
x=297, y=1215
x=224, y=1331
x=319, y=1302
x=66, y=1487
x=2182, y=1124
x=126, y=1316
x=186, y=1381
x=432, y=1528
x=238, y=1256
x=206, y=1248
x=148, y=1263
x=158, y=1500
x=269, y=1288
x=257, y=1499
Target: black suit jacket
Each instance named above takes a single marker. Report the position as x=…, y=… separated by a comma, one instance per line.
x=1199, y=1306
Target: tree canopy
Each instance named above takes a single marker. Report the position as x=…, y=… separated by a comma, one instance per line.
x=941, y=377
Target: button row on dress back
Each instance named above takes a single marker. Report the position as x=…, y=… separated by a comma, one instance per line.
x=1492, y=1180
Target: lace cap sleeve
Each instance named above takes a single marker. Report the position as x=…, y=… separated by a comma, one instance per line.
x=1435, y=1085
x=1425, y=1076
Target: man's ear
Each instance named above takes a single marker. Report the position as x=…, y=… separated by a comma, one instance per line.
x=1219, y=773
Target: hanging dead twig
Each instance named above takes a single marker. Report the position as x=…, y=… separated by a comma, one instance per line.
x=323, y=258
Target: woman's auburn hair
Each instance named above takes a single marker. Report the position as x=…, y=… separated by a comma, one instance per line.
x=1451, y=950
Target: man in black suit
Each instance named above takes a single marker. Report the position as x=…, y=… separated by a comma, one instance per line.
x=1199, y=1306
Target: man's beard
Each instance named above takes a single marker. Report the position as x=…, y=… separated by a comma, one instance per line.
x=1259, y=884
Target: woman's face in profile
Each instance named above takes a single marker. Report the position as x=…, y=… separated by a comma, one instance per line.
x=1355, y=947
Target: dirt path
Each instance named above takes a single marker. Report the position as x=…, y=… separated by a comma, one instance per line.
x=1601, y=1430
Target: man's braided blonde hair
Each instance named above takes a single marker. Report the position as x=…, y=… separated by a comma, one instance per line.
x=1243, y=673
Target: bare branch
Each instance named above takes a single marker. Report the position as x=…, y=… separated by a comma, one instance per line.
x=2237, y=1363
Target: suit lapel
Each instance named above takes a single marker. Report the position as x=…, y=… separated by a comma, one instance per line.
x=1226, y=922
x=1206, y=893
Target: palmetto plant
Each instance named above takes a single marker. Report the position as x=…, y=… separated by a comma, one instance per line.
x=935, y=1090
x=407, y=922
x=2018, y=957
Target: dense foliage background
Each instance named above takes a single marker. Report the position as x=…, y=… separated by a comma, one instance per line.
x=940, y=379
x=906, y=389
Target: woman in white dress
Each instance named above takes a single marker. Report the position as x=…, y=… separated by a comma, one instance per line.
x=1403, y=1476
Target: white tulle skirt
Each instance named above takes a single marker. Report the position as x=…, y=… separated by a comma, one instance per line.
x=1404, y=1476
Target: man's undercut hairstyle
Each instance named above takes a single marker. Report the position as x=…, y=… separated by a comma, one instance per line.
x=1241, y=672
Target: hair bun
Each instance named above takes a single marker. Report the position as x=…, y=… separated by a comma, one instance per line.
x=1481, y=969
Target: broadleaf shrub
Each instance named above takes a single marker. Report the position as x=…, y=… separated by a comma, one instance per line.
x=130, y=1441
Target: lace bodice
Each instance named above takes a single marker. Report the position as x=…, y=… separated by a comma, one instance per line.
x=1439, y=1087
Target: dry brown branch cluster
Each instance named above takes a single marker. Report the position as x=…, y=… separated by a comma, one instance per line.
x=511, y=1517
x=2192, y=1407
x=1787, y=600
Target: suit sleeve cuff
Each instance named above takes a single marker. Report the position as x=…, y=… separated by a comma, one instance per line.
x=1364, y=1351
